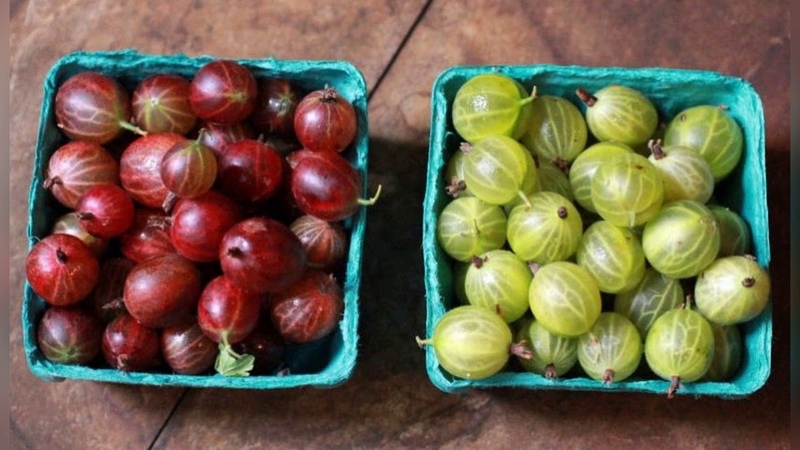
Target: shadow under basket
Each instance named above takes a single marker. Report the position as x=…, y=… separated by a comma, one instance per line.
x=325, y=363
x=670, y=90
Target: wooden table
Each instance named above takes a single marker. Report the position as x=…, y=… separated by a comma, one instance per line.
x=401, y=46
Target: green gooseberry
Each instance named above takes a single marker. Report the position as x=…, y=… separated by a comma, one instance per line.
x=552, y=355
x=735, y=238
x=710, y=131
x=497, y=169
x=468, y=226
x=472, y=342
x=679, y=347
x=654, y=295
x=564, y=298
x=584, y=167
x=686, y=175
x=619, y=113
x=455, y=185
x=613, y=255
x=552, y=178
x=548, y=229
x=732, y=290
x=530, y=184
x=491, y=104
x=627, y=190
x=499, y=280
x=728, y=348
x=682, y=240
x=557, y=132
x=611, y=350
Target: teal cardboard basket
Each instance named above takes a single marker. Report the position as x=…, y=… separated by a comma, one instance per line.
x=321, y=364
x=671, y=90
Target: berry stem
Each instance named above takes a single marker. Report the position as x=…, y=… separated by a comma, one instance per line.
x=122, y=363
x=423, y=342
x=530, y=98
x=49, y=182
x=524, y=198
x=550, y=372
x=84, y=215
x=562, y=164
x=748, y=282
x=372, y=200
x=230, y=350
x=655, y=147
x=562, y=212
x=521, y=350
x=687, y=304
x=125, y=125
x=465, y=147
x=674, y=384
x=608, y=376
x=169, y=202
x=328, y=94
x=455, y=187
x=477, y=261
x=586, y=97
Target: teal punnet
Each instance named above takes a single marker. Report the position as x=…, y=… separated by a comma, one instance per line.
x=325, y=363
x=671, y=91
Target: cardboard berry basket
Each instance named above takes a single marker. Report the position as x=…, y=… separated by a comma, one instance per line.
x=323, y=363
x=671, y=90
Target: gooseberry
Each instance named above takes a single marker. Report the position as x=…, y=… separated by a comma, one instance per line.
x=77, y=166
x=551, y=355
x=491, y=104
x=682, y=240
x=325, y=121
x=473, y=342
x=619, y=113
x=557, y=132
x=654, y=295
x=499, y=280
x=468, y=226
x=613, y=255
x=223, y=91
x=611, y=350
x=160, y=104
x=732, y=290
x=61, y=269
x=679, y=347
x=710, y=131
x=564, y=298
x=548, y=229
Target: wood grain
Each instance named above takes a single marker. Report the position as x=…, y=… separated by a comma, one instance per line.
x=741, y=39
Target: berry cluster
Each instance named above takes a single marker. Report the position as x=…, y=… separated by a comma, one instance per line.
x=213, y=238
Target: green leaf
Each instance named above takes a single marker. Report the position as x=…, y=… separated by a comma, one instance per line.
x=230, y=364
